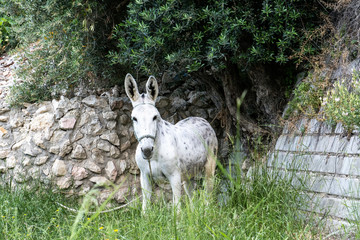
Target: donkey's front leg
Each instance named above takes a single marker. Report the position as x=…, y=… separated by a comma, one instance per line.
x=146, y=189
x=175, y=182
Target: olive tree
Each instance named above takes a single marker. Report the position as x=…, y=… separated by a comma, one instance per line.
x=224, y=43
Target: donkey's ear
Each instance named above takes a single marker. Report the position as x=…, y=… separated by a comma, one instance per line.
x=152, y=88
x=131, y=88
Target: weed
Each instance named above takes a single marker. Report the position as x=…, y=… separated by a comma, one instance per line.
x=5, y=33
x=307, y=98
x=342, y=103
x=63, y=44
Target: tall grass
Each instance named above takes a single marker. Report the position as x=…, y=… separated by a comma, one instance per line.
x=262, y=206
x=259, y=205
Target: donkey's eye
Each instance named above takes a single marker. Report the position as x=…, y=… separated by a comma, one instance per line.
x=154, y=118
x=134, y=119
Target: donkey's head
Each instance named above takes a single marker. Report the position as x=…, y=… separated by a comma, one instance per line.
x=145, y=116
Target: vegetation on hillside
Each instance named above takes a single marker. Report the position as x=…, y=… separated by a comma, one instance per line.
x=228, y=45
x=190, y=35
x=63, y=43
x=341, y=105
x=325, y=94
x=6, y=41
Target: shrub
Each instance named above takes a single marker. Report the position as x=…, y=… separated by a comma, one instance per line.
x=157, y=35
x=5, y=33
x=342, y=103
x=306, y=98
x=63, y=43
x=228, y=45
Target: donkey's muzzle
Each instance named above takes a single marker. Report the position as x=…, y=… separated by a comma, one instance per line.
x=147, y=152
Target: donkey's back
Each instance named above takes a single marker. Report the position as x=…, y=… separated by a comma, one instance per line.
x=196, y=143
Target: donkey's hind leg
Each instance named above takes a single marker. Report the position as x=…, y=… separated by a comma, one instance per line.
x=188, y=187
x=210, y=170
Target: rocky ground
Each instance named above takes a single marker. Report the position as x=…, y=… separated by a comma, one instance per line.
x=7, y=65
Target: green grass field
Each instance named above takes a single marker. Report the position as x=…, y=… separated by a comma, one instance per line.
x=261, y=208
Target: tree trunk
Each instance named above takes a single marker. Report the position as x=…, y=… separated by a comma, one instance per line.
x=233, y=87
x=224, y=94
x=267, y=91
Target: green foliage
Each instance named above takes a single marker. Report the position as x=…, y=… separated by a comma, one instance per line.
x=339, y=105
x=157, y=35
x=63, y=43
x=342, y=105
x=28, y=91
x=306, y=98
x=259, y=208
x=30, y=213
x=5, y=33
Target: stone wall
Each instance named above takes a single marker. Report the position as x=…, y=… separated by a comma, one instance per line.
x=79, y=142
x=329, y=163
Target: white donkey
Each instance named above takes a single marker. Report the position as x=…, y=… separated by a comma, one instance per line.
x=176, y=153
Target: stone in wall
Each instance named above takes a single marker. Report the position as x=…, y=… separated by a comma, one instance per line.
x=11, y=162
x=64, y=182
x=79, y=173
x=78, y=152
x=4, y=153
x=111, y=171
x=42, y=121
x=41, y=160
x=67, y=123
x=59, y=168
